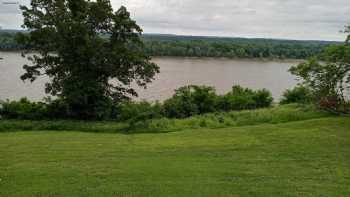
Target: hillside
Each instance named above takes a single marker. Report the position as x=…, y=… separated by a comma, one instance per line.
x=307, y=158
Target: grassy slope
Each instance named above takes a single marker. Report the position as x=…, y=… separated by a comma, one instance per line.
x=306, y=158
x=274, y=115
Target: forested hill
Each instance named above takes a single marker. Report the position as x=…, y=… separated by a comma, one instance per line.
x=174, y=37
x=202, y=46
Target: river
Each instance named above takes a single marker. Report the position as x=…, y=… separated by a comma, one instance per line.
x=220, y=73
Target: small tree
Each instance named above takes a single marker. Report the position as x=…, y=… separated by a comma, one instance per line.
x=328, y=77
x=91, y=54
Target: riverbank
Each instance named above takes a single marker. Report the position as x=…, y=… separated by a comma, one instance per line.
x=274, y=59
x=273, y=115
x=282, y=60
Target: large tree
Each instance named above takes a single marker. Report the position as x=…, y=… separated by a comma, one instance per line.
x=91, y=54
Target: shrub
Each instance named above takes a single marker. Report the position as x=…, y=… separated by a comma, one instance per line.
x=189, y=101
x=23, y=109
x=58, y=109
x=179, y=107
x=137, y=111
x=263, y=98
x=243, y=98
x=195, y=100
x=299, y=94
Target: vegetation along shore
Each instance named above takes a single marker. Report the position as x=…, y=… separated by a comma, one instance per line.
x=195, y=46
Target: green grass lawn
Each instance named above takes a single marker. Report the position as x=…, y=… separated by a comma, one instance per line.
x=305, y=158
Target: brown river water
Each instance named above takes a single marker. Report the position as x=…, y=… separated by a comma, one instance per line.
x=220, y=73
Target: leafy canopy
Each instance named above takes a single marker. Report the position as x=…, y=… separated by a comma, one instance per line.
x=91, y=54
x=328, y=76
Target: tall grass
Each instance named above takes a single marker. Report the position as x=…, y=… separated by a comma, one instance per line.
x=274, y=115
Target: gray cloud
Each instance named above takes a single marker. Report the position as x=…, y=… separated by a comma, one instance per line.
x=292, y=19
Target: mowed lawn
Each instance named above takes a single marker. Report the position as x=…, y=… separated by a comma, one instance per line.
x=308, y=158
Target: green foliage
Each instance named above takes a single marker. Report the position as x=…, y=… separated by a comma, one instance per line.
x=58, y=109
x=28, y=110
x=263, y=98
x=192, y=46
x=243, y=98
x=324, y=79
x=194, y=100
x=186, y=102
x=328, y=78
x=23, y=109
x=137, y=111
x=189, y=101
x=91, y=54
x=8, y=42
x=299, y=94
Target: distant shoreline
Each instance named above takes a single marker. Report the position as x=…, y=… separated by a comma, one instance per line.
x=213, y=47
x=200, y=58
x=228, y=58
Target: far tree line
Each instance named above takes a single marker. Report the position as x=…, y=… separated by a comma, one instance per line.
x=192, y=46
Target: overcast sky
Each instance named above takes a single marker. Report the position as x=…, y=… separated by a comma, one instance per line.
x=291, y=19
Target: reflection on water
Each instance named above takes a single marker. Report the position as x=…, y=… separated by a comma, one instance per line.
x=175, y=72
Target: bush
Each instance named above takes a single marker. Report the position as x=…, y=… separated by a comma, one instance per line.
x=196, y=100
x=299, y=94
x=137, y=111
x=189, y=101
x=23, y=109
x=263, y=98
x=58, y=109
x=243, y=98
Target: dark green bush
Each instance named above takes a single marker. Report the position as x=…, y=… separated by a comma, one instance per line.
x=195, y=100
x=23, y=109
x=238, y=99
x=58, y=109
x=137, y=111
x=263, y=98
x=50, y=109
x=189, y=101
x=243, y=98
x=299, y=94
